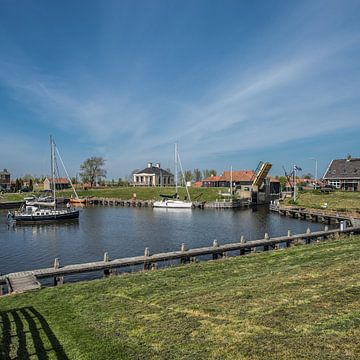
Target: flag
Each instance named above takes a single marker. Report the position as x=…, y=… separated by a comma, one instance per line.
x=297, y=168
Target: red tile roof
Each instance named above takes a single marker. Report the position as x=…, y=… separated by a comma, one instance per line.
x=240, y=175
x=59, y=180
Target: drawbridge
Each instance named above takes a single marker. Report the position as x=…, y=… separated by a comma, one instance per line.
x=261, y=173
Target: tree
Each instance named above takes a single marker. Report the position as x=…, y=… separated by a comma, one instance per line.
x=188, y=175
x=91, y=170
x=197, y=175
x=308, y=176
x=283, y=180
x=207, y=173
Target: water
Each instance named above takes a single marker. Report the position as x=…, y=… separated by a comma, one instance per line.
x=124, y=232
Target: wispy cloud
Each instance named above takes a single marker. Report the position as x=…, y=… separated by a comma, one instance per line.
x=305, y=86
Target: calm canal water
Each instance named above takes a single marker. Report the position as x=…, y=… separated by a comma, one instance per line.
x=124, y=232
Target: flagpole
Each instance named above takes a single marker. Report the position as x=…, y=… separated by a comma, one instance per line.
x=294, y=183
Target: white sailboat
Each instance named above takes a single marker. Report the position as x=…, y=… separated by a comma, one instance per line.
x=172, y=202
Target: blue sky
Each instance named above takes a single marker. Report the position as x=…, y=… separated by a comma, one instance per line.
x=233, y=82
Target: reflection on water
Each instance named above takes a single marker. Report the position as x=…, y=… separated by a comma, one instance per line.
x=126, y=232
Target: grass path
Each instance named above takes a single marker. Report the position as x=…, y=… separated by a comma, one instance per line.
x=300, y=303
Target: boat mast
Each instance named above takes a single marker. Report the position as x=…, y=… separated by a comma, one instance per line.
x=176, y=169
x=67, y=174
x=53, y=169
x=183, y=177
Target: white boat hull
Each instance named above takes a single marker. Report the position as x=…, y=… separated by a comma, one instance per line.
x=173, y=204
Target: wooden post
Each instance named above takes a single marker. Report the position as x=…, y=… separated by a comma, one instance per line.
x=106, y=259
x=147, y=264
x=308, y=240
x=185, y=259
x=289, y=233
x=215, y=245
x=1, y=290
x=56, y=266
x=326, y=228
x=242, y=241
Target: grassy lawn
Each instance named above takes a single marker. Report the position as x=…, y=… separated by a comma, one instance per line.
x=300, y=303
x=126, y=193
x=11, y=197
x=150, y=193
x=337, y=200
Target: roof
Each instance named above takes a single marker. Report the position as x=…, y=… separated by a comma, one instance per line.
x=213, y=178
x=154, y=170
x=241, y=175
x=59, y=180
x=197, y=184
x=343, y=169
x=4, y=172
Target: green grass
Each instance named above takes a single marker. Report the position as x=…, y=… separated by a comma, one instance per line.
x=300, y=303
x=337, y=200
x=11, y=197
x=126, y=193
x=150, y=193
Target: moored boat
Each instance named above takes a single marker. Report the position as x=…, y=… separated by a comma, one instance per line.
x=173, y=201
x=45, y=210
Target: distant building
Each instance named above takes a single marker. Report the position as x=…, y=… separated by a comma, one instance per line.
x=241, y=177
x=344, y=174
x=153, y=176
x=4, y=180
x=60, y=183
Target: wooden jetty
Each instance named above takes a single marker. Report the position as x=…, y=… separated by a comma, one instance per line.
x=313, y=215
x=27, y=280
x=128, y=203
x=228, y=204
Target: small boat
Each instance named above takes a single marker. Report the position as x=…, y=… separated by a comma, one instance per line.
x=77, y=201
x=173, y=201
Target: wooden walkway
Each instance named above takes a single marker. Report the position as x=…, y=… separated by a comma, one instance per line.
x=18, y=284
x=129, y=203
x=28, y=280
x=313, y=215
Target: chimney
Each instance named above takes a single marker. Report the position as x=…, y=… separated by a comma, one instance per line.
x=149, y=164
x=158, y=165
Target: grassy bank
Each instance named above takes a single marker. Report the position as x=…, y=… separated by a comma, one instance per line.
x=303, y=302
x=337, y=200
x=6, y=197
x=151, y=193
x=125, y=193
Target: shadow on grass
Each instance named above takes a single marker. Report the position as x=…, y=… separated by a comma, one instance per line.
x=24, y=333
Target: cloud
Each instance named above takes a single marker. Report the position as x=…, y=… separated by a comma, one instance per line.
x=305, y=85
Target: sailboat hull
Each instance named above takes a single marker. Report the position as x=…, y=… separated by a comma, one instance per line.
x=173, y=204
x=52, y=215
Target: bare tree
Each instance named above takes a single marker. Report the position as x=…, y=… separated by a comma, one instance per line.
x=91, y=170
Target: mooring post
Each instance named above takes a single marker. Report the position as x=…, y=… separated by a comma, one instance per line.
x=326, y=228
x=106, y=259
x=185, y=259
x=266, y=237
x=147, y=264
x=56, y=266
x=308, y=239
x=242, y=241
x=215, y=245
